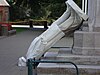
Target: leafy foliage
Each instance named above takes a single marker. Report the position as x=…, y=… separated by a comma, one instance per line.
x=37, y=9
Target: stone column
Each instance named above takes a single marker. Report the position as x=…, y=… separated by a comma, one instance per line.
x=94, y=15
x=88, y=42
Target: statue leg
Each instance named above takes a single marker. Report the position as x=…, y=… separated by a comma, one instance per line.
x=64, y=17
x=47, y=39
x=42, y=43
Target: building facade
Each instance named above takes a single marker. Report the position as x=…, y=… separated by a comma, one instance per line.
x=4, y=11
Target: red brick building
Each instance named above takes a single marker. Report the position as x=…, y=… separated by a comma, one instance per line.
x=4, y=11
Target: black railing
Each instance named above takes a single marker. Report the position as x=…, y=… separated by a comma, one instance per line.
x=32, y=64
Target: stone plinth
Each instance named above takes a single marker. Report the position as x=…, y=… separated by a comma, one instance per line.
x=86, y=43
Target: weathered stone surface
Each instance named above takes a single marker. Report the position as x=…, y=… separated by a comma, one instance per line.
x=65, y=55
x=87, y=64
x=58, y=69
x=78, y=38
x=86, y=50
x=94, y=15
x=86, y=43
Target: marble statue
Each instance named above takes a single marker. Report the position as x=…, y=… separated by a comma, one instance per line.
x=69, y=21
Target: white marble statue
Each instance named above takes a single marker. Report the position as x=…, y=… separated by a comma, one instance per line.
x=69, y=21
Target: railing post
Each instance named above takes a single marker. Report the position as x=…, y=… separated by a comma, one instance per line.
x=34, y=67
x=77, y=71
x=30, y=67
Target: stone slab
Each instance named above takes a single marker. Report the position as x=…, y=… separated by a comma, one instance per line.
x=52, y=52
x=60, y=69
x=68, y=56
x=80, y=59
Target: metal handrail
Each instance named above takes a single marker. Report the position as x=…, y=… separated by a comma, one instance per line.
x=32, y=65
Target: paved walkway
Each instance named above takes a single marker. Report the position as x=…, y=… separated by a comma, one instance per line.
x=13, y=47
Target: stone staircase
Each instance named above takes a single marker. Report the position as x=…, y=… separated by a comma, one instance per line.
x=88, y=65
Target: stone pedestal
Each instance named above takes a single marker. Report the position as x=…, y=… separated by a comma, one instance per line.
x=86, y=43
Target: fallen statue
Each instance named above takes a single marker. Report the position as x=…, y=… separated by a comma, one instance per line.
x=68, y=22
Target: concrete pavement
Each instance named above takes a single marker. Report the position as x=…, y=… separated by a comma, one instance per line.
x=13, y=47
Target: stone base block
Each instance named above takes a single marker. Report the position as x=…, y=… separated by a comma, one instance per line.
x=86, y=43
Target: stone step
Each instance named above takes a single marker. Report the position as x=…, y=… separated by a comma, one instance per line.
x=66, y=50
x=60, y=50
x=77, y=59
x=80, y=59
x=67, y=69
x=52, y=53
x=88, y=65
x=55, y=54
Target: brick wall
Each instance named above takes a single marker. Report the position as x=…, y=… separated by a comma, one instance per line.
x=4, y=13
